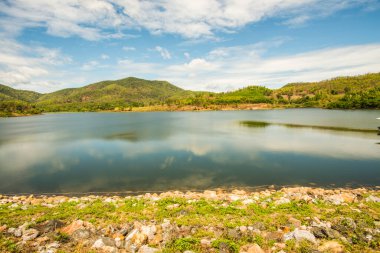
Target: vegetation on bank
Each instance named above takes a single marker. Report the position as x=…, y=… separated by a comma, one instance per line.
x=289, y=220
x=358, y=92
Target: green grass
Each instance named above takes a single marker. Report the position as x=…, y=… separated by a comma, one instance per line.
x=201, y=214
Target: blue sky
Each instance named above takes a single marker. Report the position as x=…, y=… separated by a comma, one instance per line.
x=215, y=45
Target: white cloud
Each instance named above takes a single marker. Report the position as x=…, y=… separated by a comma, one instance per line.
x=90, y=65
x=94, y=19
x=29, y=67
x=125, y=48
x=234, y=67
x=163, y=52
x=187, y=55
x=104, y=56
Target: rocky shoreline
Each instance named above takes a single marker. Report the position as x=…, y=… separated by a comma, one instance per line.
x=294, y=219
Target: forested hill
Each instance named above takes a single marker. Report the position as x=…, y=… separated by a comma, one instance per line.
x=8, y=93
x=354, y=92
x=107, y=95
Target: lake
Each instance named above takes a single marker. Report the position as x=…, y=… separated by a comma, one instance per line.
x=157, y=151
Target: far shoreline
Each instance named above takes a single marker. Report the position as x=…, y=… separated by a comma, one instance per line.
x=165, y=108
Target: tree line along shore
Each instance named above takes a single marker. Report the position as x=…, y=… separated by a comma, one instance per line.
x=134, y=94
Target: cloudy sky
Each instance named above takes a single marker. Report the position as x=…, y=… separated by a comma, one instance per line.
x=215, y=45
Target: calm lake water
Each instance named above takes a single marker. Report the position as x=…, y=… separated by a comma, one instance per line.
x=109, y=152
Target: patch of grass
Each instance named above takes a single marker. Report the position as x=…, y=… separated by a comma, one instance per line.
x=8, y=245
x=62, y=237
x=225, y=243
x=183, y=244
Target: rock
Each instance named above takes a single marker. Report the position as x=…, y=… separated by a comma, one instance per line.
x=258, y=225
x=49, y=226
x=17, y=232
x=335, y=199
x=41, y=240
x=118, y=242
x=224, y=248
x=243, y=229
x=331, y=247
x=282, y=201
x=205, y=243
x=304, y=235
x=372, y=198
x=106, y=244
x=131, y=234
x=53, y=245
x=234, y=197
x=275, y=236
x=81, y=234
x=11, y=230
x=147, y=249
x=344, y=226
x=300, y=235
x=296, y=223
x=251, y=248
x=149, y=231
x=13, y=206
x=109, y=200
x=210, y=194
x=75, y=225
x=3, y=228
x=233, y=233
x=30, y=234
x=47, y=251
x=348, y=197
x=332, y=233
x=248, y=201
x=319, y=232
x=124, y=231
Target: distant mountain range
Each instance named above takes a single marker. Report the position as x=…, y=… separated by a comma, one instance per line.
x=342, y=92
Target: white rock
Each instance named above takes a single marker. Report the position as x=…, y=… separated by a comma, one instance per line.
x=288, y=236
x=131, y=234
x=53, y=245
x=30, y=234
x=248, y=201
x=17, y=232
x=335, y=199
x=282, y=201
x=118, y=242
x=104, y=243
x=98, y=244
x=205, y=243
x=234, y=197
x=372, y=198
x=13, y=206
x=147, y=249
x=300, y=235
x=109, y=200
x=304, y=235
x=149, y=231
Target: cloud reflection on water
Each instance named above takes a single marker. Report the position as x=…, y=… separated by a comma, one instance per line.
x=201, y=156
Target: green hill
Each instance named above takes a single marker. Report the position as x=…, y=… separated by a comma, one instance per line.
x=338, y=85
x=17, y=102
x=110, y=94
x=354, y=92
x=8, y=94
x=351, y=92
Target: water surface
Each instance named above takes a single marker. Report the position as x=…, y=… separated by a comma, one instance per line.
x=110, y=152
